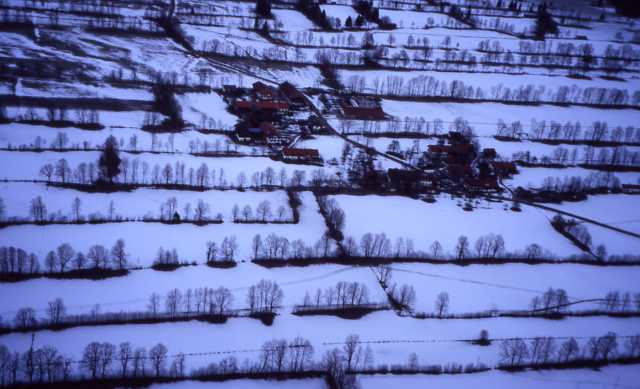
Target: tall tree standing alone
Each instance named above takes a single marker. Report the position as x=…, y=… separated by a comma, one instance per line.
x=263, y=8
x=109, y=162
x=544, y=23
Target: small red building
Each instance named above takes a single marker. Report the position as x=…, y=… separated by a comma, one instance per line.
x=263, y=91
x=363, y=113
x=295, y=154
x=504, y=169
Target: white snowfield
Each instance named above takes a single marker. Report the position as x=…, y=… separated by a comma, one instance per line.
x=31, y=162
x=483, y=117
x=137, y=204
x=189, y=240
x=434, y=341
x=445, y=221
x=246, y=384
x=131, y=293
x=85, y=60
x=479, y=288
x=610, y=376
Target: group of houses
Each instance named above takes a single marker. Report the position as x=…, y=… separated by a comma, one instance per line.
x=458, y=160
x=265, y=114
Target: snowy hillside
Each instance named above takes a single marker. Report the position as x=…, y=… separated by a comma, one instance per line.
x=324, y=194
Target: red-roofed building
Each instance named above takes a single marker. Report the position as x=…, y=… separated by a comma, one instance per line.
x=459, y=171
x=363, y=113
x=263, y=91
x=293, y=95
x=438, y=149
x=504, y=169
x=296, y=154
x=272, y=106
x=242, y=106
x=489, y=153
x=485, y=183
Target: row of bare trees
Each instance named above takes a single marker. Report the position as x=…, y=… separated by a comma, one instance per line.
x=64, y=259
x=517, y=352
x=136, y=172
x=341, y=295
x=598, y=133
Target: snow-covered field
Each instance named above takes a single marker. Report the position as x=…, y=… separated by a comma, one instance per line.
x=189, y=240
x=136, y=204
x=108, y=59
x=611, y=376
x=434, y=341
x=31, y=163
x=478, y=288
x=445, y=221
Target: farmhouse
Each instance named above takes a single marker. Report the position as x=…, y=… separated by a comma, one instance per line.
x=261, y=133
x=504, y=169
x=262, y=91
x=300, y=155
x=295, y=98
x=361, y=109
x=484, y=183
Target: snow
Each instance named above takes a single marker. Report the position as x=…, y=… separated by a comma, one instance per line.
x=392, y=338
x=245, y=384
x=329, y=146
x=16, y=135
x=478, y=288
x=197, y=107
x=609, y=376
x=484, y=116
x=131, y=293
x=189, y=240
x=135, y=204
x=445, y=221
x=339, y=11
x=418, y=20
x=434, y=341
x=292, y=20
x=618, y=210
x=232, y=166
x=534, y=177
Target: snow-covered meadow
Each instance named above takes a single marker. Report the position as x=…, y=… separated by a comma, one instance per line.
x=71, y=59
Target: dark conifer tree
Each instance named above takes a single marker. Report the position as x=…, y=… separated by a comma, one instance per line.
x=109, y=162
x=263, y=8
x=544, y=23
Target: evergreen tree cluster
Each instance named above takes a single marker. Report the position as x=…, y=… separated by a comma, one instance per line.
x=544, y=23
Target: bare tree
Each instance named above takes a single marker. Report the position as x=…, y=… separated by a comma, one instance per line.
x=264, y=210
x=119, y=254
x=65, y=255
x=91, y=358
x=568, y=351
x=125, y=357
x=513, y=352
x=173, y=301
x=442, y=304
x=47, y=171
x=107, y=353
x=76, y=206
x=462, y=247
x=139, y=362
x=158, y=357
x=56, y=311
x=25, y=317
x=153, y=304
x=99, y=257
x=38, y=210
